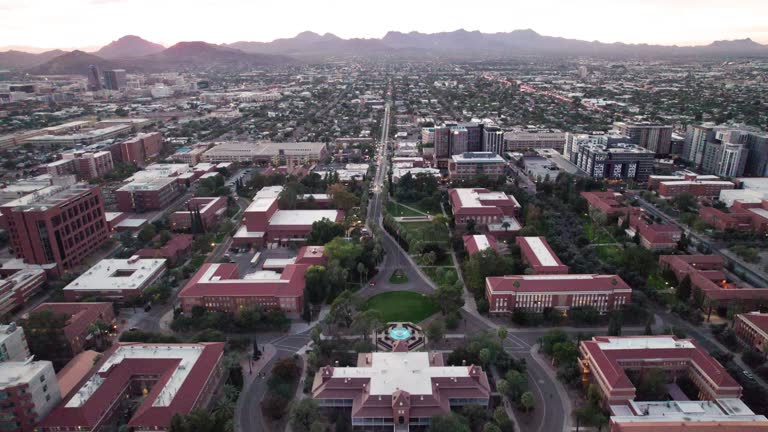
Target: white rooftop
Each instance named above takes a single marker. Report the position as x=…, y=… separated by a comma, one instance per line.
x=763, y=213
x=302, y=217
x=540, y=250
x=482, y=242
x=187, y=355
x=411, y=372
x=14, y=373
x=719, y=410
x=264, y=198
x=644, y=343
x=118, y=274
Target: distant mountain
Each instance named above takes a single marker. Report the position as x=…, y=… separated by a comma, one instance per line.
x=72, y=63
x=190, y=55
x=474, y=44
x=313, y=45
x=129, y=47
x=21, y=60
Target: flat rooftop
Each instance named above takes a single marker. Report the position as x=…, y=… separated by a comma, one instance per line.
x=541, y=251
x=148, y=184
x=13, y=373
x=50, y=196
x=301, y=217
x=117, y=274
x=264, y=198
x=410, y=372
x=718, y=410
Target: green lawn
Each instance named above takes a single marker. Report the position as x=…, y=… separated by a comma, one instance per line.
x=610, y=254
x=597, y=234
x=397, y=210
x=425, y=231
x=402, y=306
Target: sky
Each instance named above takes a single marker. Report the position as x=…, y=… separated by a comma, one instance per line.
x=93, y=23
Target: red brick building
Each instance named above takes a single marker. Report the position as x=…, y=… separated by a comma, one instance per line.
x=491, y=211
x=265, y=223
x=165, y=379
x=606, y=361
x=141, y=149
x=220, y=286
x=701, y=186
x=534, y=293
x=211, y=210
x=399, y=391
x=178, y=247
x=80, y=317
x=86, y=165
x=752, y=328
x=474, y=244
x=539, y=256
x=58, y=224
x=706, y=274
x=146, y=195
x=741, y=216
x=653, y=236
x=608, y=203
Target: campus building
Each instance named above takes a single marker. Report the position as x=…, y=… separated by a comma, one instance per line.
x=606, y=361
x=266, y=153
x=13, y=344
x=477, y=243
x=220, y=286
x=400, y=390
x=58, y=224
x=86, y=165
x=162, y=379
x=700, y=186
x=80, y=316
x=706, y=274
x=145, y=195
x=618, y=162
x=539, y=256
x=18, y=288
x=519, y=139
x=741, y=216
x=608, y=203
x=653, y=236
x=535, y=293
x=466, y=166
x=210, y=209
x=494, y=211
x=752, y=328
x=30, y=391
x=265, y=223
x=116, y=279
x=141, y=149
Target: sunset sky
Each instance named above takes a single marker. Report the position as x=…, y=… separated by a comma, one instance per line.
x=92, y=23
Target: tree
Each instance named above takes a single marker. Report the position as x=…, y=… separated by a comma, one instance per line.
x=685, y=202
x=342, y=198
x=45, y=336
x=490, y=427
x=366, y=322
x=177, y=424
x=517, y=383
x=343, y=309
x=485, y=357
x=324, y=231
x=652, y=385
x=503, y=387
x=648, y=329
x=448, y=298
x=304, y=414
x=147, y=233
x=476, y=415
x=435, y=331
x=684, y=288
x=344, y=251
x=614, y=325
x=527, y=401
x=448, y=423
x=502, y=332
x=316, y=282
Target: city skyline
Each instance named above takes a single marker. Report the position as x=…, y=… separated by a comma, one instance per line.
x=174, y=21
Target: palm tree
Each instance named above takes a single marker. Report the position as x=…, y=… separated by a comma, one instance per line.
x=505, y=225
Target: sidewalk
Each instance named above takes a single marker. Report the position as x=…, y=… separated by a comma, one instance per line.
x=251, y=368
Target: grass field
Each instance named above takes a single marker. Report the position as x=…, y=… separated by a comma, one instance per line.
x=424, y=231
x=610, y=254
x=403, y=306
x=597, y=234
x=397, y=210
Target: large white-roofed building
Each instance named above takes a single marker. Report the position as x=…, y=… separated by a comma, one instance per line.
x=116, y=279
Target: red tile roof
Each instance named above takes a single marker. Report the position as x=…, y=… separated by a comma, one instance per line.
x=550, y=283
x=81, y=315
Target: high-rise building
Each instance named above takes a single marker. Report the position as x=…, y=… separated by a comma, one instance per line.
x=474, y=136
x=442, y=136
x=94, y=78
x=115, y=79
x=493, y=140
x=526, y=138
x=13, y=344
x=58, y=224
x=656, y=138
x=574, y=141
x=623, y=161
x=459, y=142
x=704, y=147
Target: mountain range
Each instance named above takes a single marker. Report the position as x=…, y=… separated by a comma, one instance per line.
x=138, y=55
